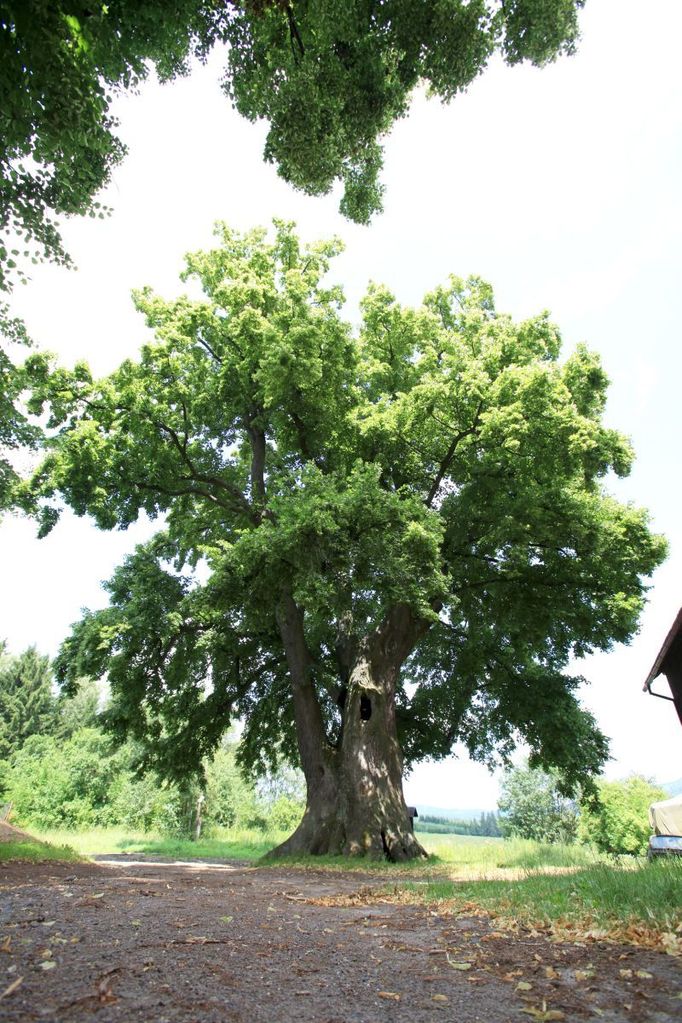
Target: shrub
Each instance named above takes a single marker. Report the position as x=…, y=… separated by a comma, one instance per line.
x=619, y=822
x=68, y=783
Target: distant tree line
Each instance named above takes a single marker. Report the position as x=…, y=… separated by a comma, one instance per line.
x=486, y=825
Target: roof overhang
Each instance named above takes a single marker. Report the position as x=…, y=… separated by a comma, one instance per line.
x=668, y=662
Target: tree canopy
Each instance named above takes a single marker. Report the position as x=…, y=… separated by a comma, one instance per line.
x=402, y=533
x=27, y=705
x=329, y=77
x=531, y=805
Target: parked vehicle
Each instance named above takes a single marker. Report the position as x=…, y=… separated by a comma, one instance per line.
x=665, y=818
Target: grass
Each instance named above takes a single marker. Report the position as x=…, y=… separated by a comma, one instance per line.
x=637, y=901
x=226, y=844
x=480, y=856
x=463, y=854
x=36, y=852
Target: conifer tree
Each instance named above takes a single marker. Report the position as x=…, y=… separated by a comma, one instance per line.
x=27, y=706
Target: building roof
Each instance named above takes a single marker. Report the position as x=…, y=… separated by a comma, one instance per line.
x=669, y=650
x=669, y=663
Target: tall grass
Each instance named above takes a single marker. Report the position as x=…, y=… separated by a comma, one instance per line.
x=634, y=894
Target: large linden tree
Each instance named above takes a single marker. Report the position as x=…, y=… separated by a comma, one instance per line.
x=402, y=533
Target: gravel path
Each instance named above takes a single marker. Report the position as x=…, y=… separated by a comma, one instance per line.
x=163, y=942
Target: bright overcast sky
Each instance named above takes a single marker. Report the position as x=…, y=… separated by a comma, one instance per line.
x=561, y=187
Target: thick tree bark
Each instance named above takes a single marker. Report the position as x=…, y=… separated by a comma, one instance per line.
x=355, y=804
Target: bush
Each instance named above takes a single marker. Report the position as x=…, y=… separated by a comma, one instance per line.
x=285, y=814
x=55, y=783
x=82, y=781
x=619, y=822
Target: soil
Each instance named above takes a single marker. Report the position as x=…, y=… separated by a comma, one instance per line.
x=8, y=833
x=167, y=942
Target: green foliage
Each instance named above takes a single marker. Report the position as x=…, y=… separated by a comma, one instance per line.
x=27, y=706
x=531, y=806
x=79, y=710
x=16, y=430
x=484, y=826
x=285, y=814
x=66, y=783
x=333, y=78
x=443, y=460
x=4, y=778
x=330, y=78
x=77, y=778
x=619, y=821
x=230, y=800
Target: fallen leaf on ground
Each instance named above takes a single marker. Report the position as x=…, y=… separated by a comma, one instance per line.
x=389, y=995
x=48, y=964
x=523, y=985
x=13, y=986
x=6, y=945
x=643, y=973
x=551, y=973
x=439, y=998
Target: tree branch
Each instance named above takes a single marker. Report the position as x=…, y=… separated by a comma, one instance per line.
x=449, y=455
x=238, y=498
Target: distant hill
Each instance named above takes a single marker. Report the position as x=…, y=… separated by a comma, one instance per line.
x=673, y=788
x=452, y=815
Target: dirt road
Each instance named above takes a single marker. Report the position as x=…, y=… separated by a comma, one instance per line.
x=197, y=943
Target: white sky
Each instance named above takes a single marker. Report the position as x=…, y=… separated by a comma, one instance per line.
x=561, y=187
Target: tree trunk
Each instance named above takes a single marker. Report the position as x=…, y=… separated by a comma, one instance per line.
x=372, y=806
x=355, y=804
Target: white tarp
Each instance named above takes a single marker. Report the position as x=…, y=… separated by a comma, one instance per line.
x=666, y=817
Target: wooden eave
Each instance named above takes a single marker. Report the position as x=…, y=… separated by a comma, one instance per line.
x=669, y=650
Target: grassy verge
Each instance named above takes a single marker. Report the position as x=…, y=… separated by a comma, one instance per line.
x=463, y=856
x=36, y=852
x=226, y=844
x=639, y=902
